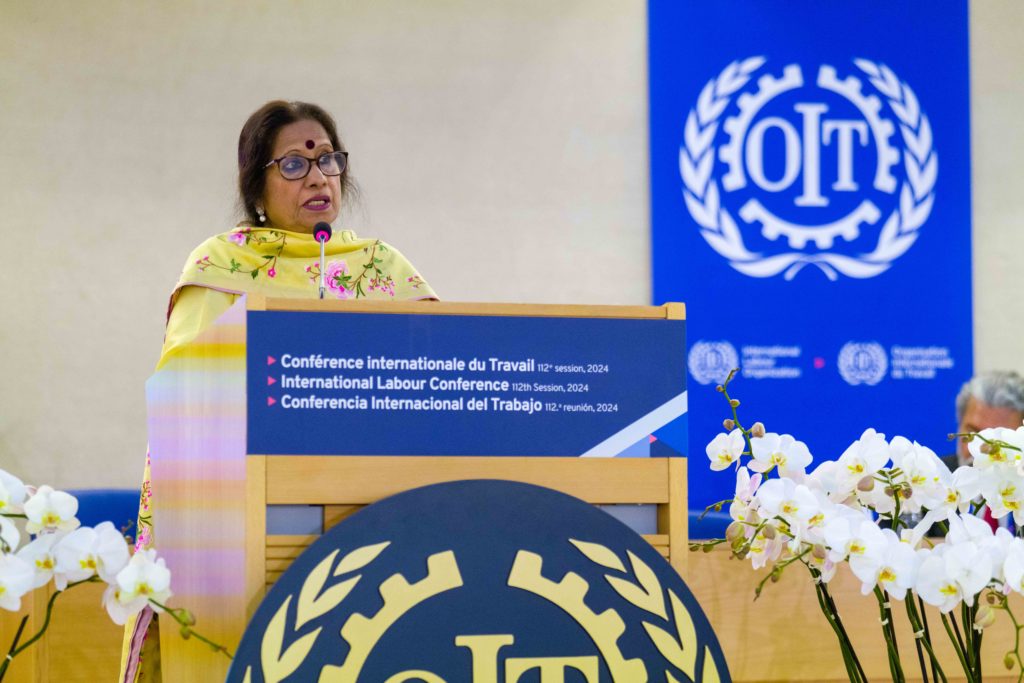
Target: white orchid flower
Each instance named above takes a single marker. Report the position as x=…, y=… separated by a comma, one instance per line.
x=12, y=493
x=145, y=578
x=969, y=566
x=1013, y=567
x=886, y=562
x=997, y=549
x=746, y=485
x=784, y=498
x=935, y=586
x=84, y=552
x=782, y=451
x=39, y=553
x=725, y=449
x=15, y=580
x=1003, y=490
x=796, y=504
x=764, y=551
x=968, y=529
x=865, y=456
x=10, y=537
x=844, y=537
x=986, y=455
x=50, y=510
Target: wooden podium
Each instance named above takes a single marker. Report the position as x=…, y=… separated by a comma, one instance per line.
x=210, y=495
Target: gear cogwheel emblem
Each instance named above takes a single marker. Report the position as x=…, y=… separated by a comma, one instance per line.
x=862, y=363
x=816, y=160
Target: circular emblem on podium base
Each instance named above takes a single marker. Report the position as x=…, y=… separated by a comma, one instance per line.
x=483, y=581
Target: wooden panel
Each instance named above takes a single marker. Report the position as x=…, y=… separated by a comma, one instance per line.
x=255, y=531
x=451, y=308
x=286, y=540
x=316, y=480
x=673, y=518
x=286, y=552
x=333, y=514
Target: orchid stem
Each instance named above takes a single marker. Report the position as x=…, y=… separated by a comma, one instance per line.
x=186, y=627
x=955, y=639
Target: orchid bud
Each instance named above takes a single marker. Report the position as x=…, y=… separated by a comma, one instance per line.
x=719, y=388
x=757, y=430
x=1008, y=661
x=734, y=402
x=769, y=532
x=185, y=632
x=889, y=491
x=776, y=575
x=819, y=551
x=985, y=617
x=734, y=532
x=708, y=548
x=906, y=493
x=991, y=599
x=866, y=484
x=987, y=448
x=729, y=425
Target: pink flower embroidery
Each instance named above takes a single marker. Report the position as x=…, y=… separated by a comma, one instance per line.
x=238, y=237
x=336, y=277
x=271, y=273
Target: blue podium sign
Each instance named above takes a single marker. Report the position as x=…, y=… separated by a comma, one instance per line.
x=811, y=202
x=400, y=384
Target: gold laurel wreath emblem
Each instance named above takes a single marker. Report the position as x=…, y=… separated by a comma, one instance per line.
x=678, y=643
x=316, y=598
x=277, y=662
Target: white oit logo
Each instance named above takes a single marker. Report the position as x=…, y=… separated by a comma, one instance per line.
x=815, y=162
x=712, y=361
x=862, y=363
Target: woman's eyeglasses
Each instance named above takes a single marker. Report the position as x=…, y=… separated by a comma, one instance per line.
x=294, y=167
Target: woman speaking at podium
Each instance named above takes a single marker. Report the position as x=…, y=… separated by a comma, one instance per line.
x=293, y=176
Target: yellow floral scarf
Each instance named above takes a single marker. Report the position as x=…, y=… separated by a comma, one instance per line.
x=281, y=263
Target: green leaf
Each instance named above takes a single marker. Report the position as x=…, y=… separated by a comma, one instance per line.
x=254, y=273
x=377, y=260
x=268, y=256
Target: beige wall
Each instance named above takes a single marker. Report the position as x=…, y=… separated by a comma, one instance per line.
x=502, y=146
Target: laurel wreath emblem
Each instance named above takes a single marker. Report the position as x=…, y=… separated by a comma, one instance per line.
x=279, y=662
x=719, y=229
x=677, y=643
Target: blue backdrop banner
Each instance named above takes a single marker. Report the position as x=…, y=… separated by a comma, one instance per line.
x=810, y=174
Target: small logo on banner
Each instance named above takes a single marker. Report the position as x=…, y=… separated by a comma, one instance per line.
x=862, y=363
x=819, y=169
x=453, y=582
x=711, y=361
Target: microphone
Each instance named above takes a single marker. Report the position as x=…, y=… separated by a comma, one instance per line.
x=322, y=233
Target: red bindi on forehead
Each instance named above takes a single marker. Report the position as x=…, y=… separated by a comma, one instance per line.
x=310, y=144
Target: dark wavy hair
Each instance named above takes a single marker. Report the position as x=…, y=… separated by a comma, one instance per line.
x=256, y=142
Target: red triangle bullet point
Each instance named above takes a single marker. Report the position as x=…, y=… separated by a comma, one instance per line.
x=271, y=360
x=271, y=401
x=271, y=380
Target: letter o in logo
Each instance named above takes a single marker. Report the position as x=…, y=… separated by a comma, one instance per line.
x=755, y=156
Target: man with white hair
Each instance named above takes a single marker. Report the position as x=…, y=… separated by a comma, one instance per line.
x=991, y=399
